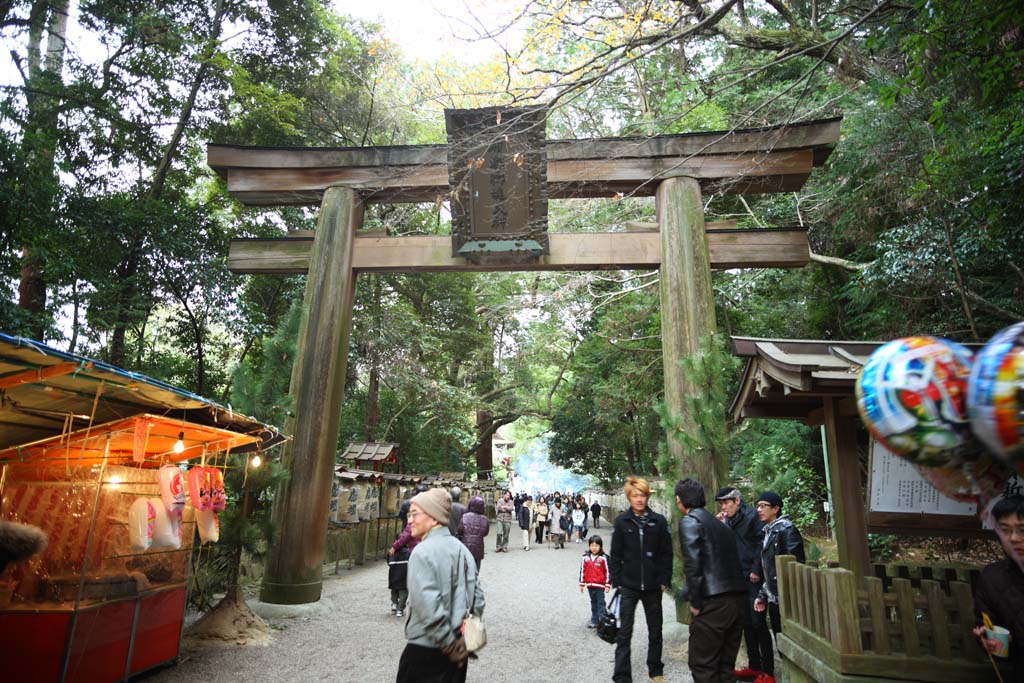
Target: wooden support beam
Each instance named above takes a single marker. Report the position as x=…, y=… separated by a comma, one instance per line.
x=687, y=315
x=847, y=493
x=39, y=374
x=774, y=159
x=774, y=248
x=728, y=174
x=301, y=504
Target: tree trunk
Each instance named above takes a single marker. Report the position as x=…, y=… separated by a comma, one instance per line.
x=44, y=80
x=484, y=449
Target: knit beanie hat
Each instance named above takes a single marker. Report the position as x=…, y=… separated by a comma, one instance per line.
x=770, y=497
x=437, y=503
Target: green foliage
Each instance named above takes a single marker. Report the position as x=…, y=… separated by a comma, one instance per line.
x=784, y=457
x=702, y=427
x=883, y=547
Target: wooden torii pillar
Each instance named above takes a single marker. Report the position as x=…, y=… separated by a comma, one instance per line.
x=676, y=167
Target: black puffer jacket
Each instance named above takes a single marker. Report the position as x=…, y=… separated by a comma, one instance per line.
x=711, y=560
x=641, y=555
x=781, y=538
x=747, y=527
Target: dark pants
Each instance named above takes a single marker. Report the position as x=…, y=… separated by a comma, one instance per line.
x=756, y=634
x=773, y=613
x=628, y=600
x=427, y=665
x=597, y=609
x=715, y=636
x=540, y=533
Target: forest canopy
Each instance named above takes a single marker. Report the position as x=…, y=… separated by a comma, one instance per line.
x=114, y=233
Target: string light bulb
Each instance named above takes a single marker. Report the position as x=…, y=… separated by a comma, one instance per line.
x=256, y=461
x=179, y=445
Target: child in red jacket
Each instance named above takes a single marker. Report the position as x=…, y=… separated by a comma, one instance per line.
x=594, y=577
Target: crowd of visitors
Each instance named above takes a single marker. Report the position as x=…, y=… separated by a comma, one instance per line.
x=729, y=566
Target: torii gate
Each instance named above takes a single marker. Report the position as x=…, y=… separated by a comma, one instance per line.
x=674, y=168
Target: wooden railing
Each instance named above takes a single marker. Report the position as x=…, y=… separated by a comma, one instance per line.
x=883, y=628
x=352, y=543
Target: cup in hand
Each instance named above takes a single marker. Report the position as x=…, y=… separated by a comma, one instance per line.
x=1003, y=636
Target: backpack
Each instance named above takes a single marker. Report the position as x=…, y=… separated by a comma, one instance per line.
x=608, y=627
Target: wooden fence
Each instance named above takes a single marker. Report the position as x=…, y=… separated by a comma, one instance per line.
x=897, y=628
x=352, y=544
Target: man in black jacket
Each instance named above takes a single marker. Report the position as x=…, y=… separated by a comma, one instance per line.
x=779, y=537
x=999, y=592
x=743, y=520
x=640, y=565
x=715, y=587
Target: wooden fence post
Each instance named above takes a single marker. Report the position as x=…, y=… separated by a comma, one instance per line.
x=844, y=622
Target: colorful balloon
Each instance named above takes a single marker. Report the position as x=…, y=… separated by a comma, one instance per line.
x=995, y=395
x=970, y=482
x=911, y=396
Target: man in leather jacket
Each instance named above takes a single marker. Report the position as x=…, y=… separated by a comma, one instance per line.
x=640, y=566
x=715, y=587
x=779, y=537
x=743, y=520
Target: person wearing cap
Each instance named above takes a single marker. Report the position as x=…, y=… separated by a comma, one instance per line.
x=779, y=537
x=744, y=522
x=715, y=587
x=403, y=512
x=443, y=589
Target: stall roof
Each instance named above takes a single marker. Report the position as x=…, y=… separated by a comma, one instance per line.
x=787, y=378
x=369, y=451
x=46, y=392
x=140, y=439
x=351, y=473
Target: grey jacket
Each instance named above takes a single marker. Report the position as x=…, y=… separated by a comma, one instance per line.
x=442, y=585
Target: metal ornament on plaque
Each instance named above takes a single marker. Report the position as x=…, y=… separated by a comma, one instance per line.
x=497, y=175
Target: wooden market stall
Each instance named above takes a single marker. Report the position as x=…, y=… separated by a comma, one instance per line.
x=81, y=447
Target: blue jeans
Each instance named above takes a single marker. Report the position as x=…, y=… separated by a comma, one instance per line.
x=597, y=608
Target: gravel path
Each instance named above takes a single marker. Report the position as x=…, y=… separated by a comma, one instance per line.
x=536, y=625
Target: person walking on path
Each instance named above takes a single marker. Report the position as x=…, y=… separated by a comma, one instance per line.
x=473, y=528
x=779, y=537
x=744, y=522
x=594, y=577
x=398, y=565
x=578, y=519
x=503, y=511
x=595, y=512
x=540, y=518
x=443, y=588
x=640, y=566
x=524, y=518
x=557, y=520
x=458, y=509
x=715, y=587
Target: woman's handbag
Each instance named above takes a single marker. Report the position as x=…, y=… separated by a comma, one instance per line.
x=474, y=635
x=608, y=627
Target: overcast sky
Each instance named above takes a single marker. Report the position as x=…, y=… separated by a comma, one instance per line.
x=427, y=29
